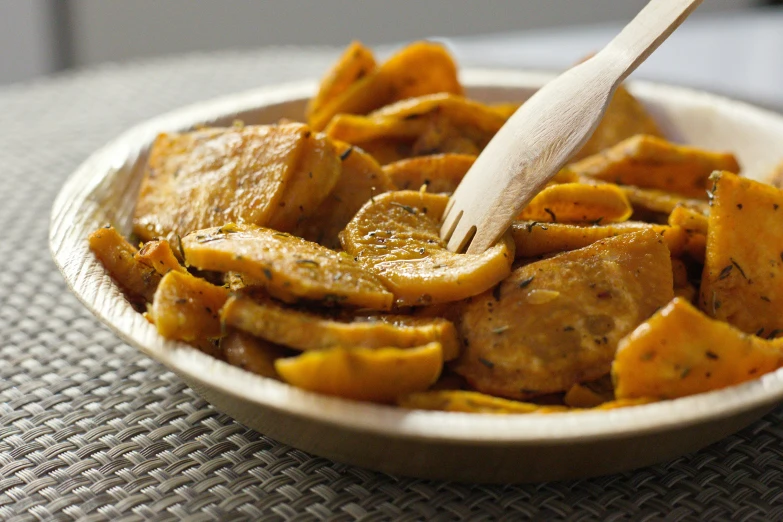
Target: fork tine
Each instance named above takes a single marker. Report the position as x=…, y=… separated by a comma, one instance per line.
x=463, y=232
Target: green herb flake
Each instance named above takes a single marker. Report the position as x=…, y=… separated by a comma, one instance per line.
x=526, y=282
x=486, y=362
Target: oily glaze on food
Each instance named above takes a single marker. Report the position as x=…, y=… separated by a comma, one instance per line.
x=309, y=253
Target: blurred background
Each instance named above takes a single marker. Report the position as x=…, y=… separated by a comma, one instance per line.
x=39, y=37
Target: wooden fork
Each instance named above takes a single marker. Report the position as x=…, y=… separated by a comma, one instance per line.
x=548, y=129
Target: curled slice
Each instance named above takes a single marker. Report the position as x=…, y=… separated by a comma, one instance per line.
x=651, y=162
x=555, y=323
x=534, y=239
x=680, y=351
x=438, y=172
x=252, y=353
x=578, y=203
x=649, y=202
x=470, y=402
x=137, y=278
x=159, y=255
x=308, y=331
x=186, y=308
x=396, y=237
x=288, y=267
x=378, y=375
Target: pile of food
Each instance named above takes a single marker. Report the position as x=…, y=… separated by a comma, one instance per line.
x=310, y=253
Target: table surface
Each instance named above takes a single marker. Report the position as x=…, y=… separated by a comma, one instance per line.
x=91, y=429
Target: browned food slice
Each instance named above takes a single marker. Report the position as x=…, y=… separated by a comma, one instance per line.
x=469, y=402
x=625, y=117
x=555, y=323
x=252, y=353
x=534, y=239
x=269, y=175
x=742, y=282
x=138, y=280
x=649, y=204
x=651, y=162
x=438, y=172
x=356, y=62
x=309, y=331
x=159, y=255
x=691, y=220
x=378, y=375
x=578, y=203
x=590, y=394
x=418, y=69
x=289, y=267
x=680, y=351
x=186, y=308
x=396, y=237
x=361, y=180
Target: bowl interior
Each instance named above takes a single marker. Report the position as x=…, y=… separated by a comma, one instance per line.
x=104, y=188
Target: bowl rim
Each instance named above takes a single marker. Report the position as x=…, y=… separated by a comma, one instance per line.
x=78, y=266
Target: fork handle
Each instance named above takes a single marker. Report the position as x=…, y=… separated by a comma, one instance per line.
x=642, y=35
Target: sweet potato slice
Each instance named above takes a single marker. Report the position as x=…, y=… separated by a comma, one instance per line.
x=159, y=255
x=289, y=267
x=555, y=323
x=307, y=331
x=680, y=351
x=578, y=203
x=651, y=162
x=691, y=220
x=361, y=179
x=252, y=353
x=534, y=239
x=378, y=375
x=742, y=282
x=625, y=117
x=396, y=237
x=470, y=402
x=650, y=202
x=186, y=308
x=420, y=68
x=137, y=279
x=439, y=172
x=356, y=62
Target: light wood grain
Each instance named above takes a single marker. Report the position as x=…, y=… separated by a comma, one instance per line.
x=454, y=446
x=548, y=129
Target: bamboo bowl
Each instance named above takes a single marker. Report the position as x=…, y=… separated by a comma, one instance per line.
x=439, y=445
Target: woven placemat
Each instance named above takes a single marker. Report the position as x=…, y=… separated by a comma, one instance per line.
x=92, y=430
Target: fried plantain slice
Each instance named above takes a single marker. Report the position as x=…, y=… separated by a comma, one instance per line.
x=378, y=375
x=288, y=267
x=361, y=179
x=308, y=331
x=438, y=172
x=651, y=162
x=578, y=203
x=742, y=282
x=137, y=278
x=253, y=354
x=159, y=255
x=396, y=237
x=680, y=351
x=534, y=239
x=186, y=308
x=555, y=323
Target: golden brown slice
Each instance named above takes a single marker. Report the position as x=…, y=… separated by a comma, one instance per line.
x=555, y=323
x=252, y=353
x=680, y=351
x=650, y=202
x=418, y=69
x=470, y=402
x=361, y=180
x=439, y=172
x=691, y=220
x=625, y=116
x=254, y=174
x=578, y=203
x=308, y=331
x=289, y=267
x=396, y=237
x=742, y=282
x=159, y=255
x=534, y=239
x=378, y=375
x=186, y=308
x=137, y=279
x=590, y=394
x=651, y=162
x=355, y=63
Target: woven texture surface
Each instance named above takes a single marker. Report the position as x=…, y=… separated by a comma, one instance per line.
x=92, y=430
